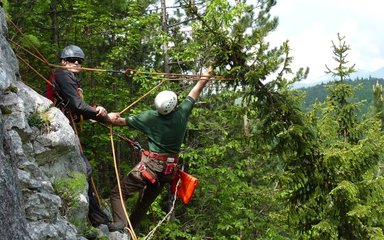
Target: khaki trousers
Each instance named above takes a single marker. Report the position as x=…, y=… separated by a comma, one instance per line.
x=136, y=182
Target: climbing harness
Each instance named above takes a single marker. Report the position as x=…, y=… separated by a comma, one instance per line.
x=169, y=160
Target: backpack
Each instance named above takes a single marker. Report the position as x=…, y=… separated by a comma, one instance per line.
x=50, y=88
x=52, y=94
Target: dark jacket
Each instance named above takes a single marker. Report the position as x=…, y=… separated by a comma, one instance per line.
x=67, y=86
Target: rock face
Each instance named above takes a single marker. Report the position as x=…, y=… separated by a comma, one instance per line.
x=37, y=148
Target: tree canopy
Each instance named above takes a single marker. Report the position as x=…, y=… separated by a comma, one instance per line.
x=267, y=169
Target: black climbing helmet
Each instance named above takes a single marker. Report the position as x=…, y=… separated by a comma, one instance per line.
x=72, y=51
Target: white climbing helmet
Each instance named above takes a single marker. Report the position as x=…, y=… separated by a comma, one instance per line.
x=165, y=102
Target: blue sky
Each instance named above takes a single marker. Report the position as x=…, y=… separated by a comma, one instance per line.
x=311, y=25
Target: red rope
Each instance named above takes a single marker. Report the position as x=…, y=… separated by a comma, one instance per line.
x=21, y=33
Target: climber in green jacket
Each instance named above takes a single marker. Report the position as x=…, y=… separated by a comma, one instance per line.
x=165, y=128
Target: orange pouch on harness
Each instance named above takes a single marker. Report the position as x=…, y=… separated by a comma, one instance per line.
x=187, y=186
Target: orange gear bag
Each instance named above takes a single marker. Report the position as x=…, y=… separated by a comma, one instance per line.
x=187, y=186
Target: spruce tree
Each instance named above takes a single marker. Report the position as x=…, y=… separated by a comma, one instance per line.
x=348, y=183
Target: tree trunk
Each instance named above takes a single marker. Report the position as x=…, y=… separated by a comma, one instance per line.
x=164, y=24
x=54, y=27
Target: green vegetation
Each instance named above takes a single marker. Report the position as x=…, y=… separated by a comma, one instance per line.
x=363, y=93
x=267, y=169
x=69, y=190
x=6, y=110
x=11, y=89
x=39, y=120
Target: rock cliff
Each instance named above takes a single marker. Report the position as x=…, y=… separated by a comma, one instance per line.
x=38, y=149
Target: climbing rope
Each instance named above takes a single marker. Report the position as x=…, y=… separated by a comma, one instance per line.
x=33, y=69
x=179, y=76
x=29, y=52
x=128, y=71
x=152, y=232
x=143, y=96
x=21, y=33
x=81, y=151
x=130, y=228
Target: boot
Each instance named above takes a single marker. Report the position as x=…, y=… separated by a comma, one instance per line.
x=116, y=226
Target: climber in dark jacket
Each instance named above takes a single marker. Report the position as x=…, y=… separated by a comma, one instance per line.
x=67, y=86
x=67, y=95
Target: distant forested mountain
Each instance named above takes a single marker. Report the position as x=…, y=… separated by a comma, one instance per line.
x=319, y=92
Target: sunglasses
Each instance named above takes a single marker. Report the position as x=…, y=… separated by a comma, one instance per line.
x=74, y=60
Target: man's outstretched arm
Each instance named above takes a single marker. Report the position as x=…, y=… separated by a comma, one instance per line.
x=198, y=88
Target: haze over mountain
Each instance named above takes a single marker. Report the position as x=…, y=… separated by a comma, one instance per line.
x=379, y=73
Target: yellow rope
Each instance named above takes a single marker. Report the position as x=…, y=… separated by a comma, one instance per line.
x=81, y=150
x=130, y=229
x=158, y=85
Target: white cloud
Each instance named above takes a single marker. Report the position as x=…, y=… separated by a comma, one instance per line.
x=311, y=25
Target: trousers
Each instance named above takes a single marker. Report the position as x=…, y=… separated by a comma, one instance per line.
x=134, y=182
x=95, y=214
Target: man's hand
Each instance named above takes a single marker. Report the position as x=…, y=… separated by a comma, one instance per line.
x=204, y=79
x=206, y=74
x=115, y=119
x=114, y=115
x=101, y=111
